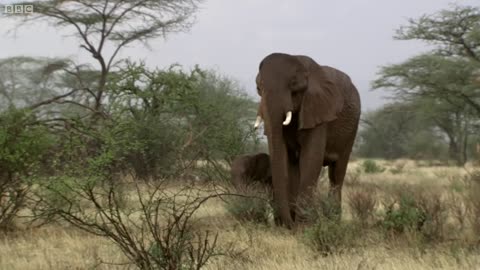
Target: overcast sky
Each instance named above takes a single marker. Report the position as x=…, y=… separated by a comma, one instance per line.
x=233, y=36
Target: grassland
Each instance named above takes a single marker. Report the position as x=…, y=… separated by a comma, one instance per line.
x=60, y=246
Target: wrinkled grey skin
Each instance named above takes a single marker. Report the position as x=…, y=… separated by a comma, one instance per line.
x=325, y=108
x=248, y=169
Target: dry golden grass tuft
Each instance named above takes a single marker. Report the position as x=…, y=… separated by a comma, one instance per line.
x=263, y=246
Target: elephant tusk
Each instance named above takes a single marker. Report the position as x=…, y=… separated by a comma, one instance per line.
x=288, y=119
x=258, y=122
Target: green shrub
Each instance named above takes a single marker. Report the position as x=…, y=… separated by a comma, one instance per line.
x=404, y=215
x=436, y=214
x=418, y=211
x=251, y=205
x=329, y=236
x=322, y=207
x=23, y=148
x=181, y=117
x=249, y=209
x=370, y=166
x=326, y=232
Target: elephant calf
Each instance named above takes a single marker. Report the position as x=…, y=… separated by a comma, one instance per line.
x=248, y=169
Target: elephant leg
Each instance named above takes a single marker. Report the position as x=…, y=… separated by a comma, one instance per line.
x=336, y=174
x=294, y=178
x=312, y=153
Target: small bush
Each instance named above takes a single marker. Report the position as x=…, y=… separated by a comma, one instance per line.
x=370, y=166
x=403, y=215
x=319, y=207
x=23, y=146
x=420, y=211
x=154, y=229
x=252, y=205
x=436, y=214
x=362, y=202
x=12, y=198
x=328, y=236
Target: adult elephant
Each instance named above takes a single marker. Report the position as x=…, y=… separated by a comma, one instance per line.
x=311, y=114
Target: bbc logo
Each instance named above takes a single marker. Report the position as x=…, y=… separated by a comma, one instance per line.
x=18, y=9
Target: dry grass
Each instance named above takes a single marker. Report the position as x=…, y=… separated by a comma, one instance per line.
x=60, y=248
x=265, y=247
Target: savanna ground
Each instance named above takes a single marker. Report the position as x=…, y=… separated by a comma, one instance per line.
x=448, y=241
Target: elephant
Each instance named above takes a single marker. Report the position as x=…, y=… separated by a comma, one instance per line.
x=311, y=114
x=248, y=169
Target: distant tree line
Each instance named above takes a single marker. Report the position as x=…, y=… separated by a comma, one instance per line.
x=436, y=113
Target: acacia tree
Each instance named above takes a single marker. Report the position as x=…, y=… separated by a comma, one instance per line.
x=442, y=89
x=18, y=77
x=443, y=80
x=27, y=82
x=111, y=24
x=454, y=32
x=455, y=35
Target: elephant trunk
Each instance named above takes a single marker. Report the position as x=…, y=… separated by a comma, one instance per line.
x=280, y=177
x=275, y=118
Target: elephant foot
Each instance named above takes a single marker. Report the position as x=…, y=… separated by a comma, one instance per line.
x=281, y=223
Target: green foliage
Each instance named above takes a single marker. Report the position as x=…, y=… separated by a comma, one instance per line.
x=23, y=148
x=228, y=113
x=111, y=20
x=22, y=143
x=25, y=81
x=370, y=166
x=252, y=209
x=440, y=89
x=328, y=237
x=417, y=211
x=326, y=233
x=251, y=204
x=404, y=216
x=443, y=29
x=399, y=130
x=109, y=122
x=178, y=116
x=442, y=84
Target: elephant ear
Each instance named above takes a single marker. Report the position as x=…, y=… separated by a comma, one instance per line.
x=322, y=101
